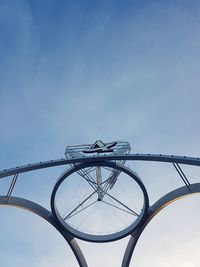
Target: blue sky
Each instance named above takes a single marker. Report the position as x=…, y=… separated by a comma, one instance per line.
x=78, y=71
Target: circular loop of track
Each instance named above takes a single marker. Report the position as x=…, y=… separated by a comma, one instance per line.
x=103, y=237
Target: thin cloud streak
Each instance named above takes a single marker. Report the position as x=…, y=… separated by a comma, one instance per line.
x=74, y=72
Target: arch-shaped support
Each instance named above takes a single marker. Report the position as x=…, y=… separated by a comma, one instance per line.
x=135, y=157
x=153, y=210
x=47, y=215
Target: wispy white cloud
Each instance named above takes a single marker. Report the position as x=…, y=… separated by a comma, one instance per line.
x=71, y=74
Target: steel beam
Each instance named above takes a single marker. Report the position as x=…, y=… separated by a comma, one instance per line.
x=47, y=215
x=134, y=157
x=153, y=210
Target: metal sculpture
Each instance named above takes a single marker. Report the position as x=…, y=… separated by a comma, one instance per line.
x=101, y=168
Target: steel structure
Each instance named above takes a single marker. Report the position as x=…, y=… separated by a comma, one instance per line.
x=92, y=159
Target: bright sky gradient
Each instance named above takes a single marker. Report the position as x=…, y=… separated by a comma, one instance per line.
x=77, y=71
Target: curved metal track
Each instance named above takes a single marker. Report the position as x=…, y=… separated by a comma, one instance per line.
x=153, y=210
x=136, y=157
x=108, y=236
x=47, y=215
